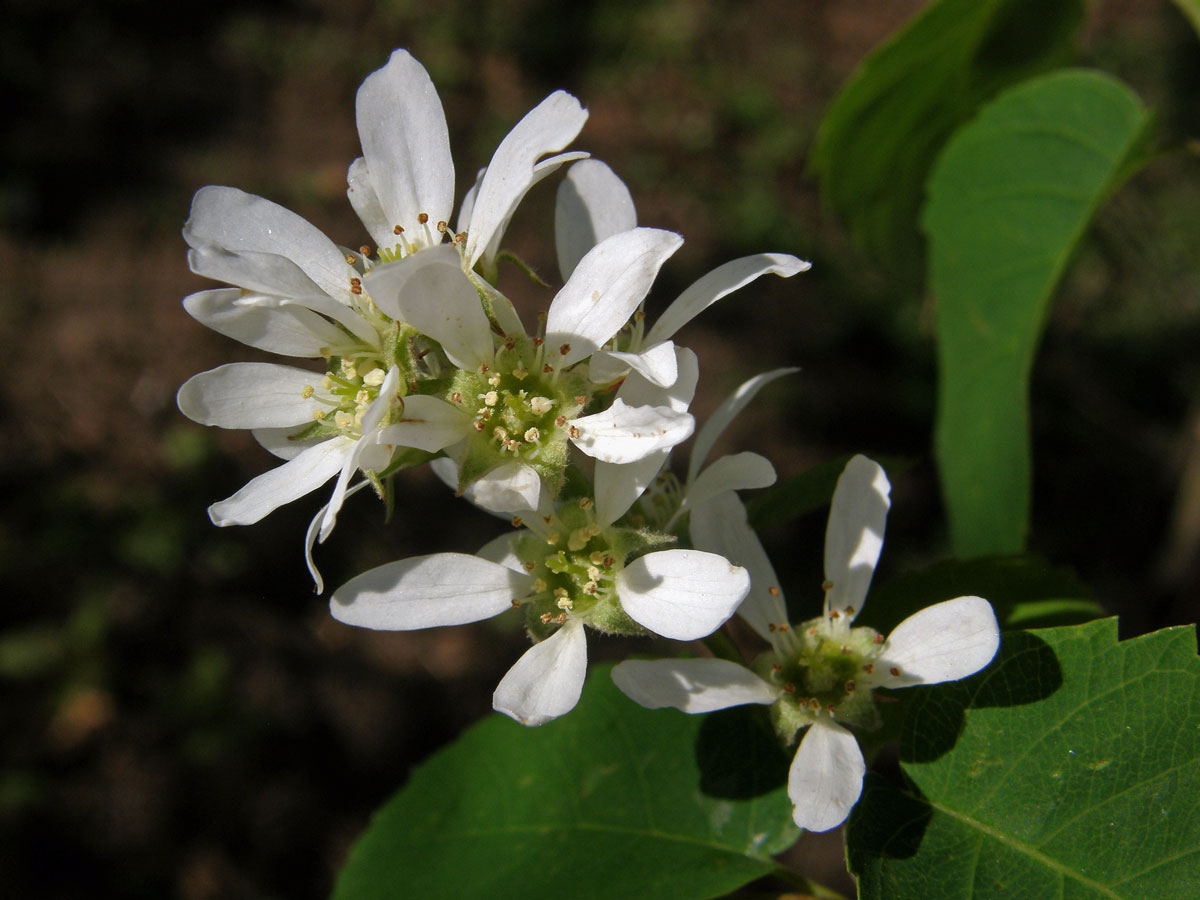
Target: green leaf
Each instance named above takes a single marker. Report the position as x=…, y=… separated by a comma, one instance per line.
x=611, y=800
x=1024, y=590
x=1191, y=9
x=1070, y=768
x=1008, y=201
x=878, y=140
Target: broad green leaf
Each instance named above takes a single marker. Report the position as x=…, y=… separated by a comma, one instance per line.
x=878, y=140
x=1191, y=9
x=611, y=800
x=1067, y=770
x=1008, y=201
x=1025, y=591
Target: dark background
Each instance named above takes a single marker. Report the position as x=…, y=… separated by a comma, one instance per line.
x=180, y=716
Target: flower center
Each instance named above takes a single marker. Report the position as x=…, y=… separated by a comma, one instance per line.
x=821, y=677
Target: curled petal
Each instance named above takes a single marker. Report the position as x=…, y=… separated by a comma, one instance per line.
x=548, y=678
x=656, y=364
x=310, y=538
x=718, y=283
x=682, y=594
x=406, y=146
x=707, y=436
x=426, y=591
x=854, y=536
x=622, y=433
x=825, y=779
x=430, y=291
x=603, y=292
x=283, y=484
x=943, y=642
x=735, y=472
x=250, y=395
x=546, y=128
x=691, y=685
x=592, y=204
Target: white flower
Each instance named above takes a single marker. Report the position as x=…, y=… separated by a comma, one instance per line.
x=298, y=294
x=594, y=204
x=567, y=572
x=820, y=676
x=521, y=400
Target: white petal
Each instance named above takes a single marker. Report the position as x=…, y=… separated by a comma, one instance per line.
x=548, y=678
x=426, y=591
x=283, y=484
x=735, y=472
x=854, y=536
x=250, y=395
x=622, y=433
x=507, y=490
x=592, y=204
x=259, y=245
x=286, y=330
x=427, y=424
x=310, y=537
x=430, y=291
x=366, y=444
x=943, y=642
x=720, y=526
x=406, y=146
x=724, y=414
x=503, y=551
x=361, y=191
x=546, y=128
x=617, y=486
x=718, y=283
x=604, y=290
x=541, y=170
x=682, y=594
x=656, y=364
x=343, y=315
x=690, y=685
x=637, y=391
x=825, y=779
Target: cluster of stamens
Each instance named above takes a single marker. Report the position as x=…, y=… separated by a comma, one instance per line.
x=573, y=561
x=348, y=388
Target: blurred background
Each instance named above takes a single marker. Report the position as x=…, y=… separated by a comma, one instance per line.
x=180, y=716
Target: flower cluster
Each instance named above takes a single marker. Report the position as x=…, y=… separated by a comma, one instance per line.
x=565, y=429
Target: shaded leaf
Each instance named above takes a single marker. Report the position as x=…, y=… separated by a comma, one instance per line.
x=879, y=138
x=608, y=801
x=1024, y=590
x=1069, y=768
x=1008, y=201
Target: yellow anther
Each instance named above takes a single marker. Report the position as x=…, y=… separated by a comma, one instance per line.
x=307, y=392
x=375, y=377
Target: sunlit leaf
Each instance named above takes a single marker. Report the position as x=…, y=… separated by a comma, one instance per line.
x=1008, y=202
x=1070, y=768
x=611, y=800
x=878, y=140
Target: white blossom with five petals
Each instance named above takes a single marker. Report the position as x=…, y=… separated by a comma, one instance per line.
x=803, y=677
